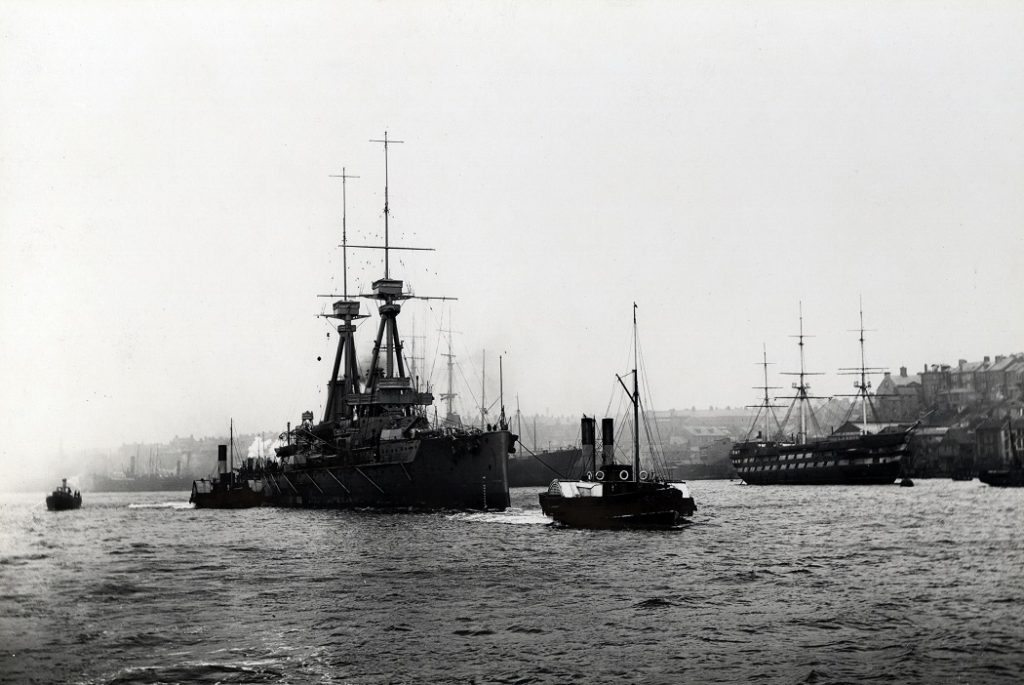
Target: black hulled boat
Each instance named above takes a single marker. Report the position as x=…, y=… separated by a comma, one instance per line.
x=63, y=498
x=1012, y=474
x=231, y=488
x=616, y=495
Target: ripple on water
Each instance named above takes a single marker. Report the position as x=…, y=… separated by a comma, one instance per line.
x=776, y=585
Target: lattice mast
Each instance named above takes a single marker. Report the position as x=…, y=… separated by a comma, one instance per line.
x=388, y=386
x=339, y=389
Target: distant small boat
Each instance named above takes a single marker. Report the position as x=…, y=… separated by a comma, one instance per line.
x=616, y=495
x=230, y=489
x=1012, y=474
x=63, y=498
x=1003, y=478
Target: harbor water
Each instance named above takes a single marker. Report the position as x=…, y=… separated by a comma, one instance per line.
x=797, y=584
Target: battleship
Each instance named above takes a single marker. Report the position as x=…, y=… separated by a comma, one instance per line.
x=854, y=457
x=374, y=445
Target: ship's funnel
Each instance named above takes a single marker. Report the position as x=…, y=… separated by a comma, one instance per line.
x=607, y=441
x=587, y=426
x=222, y=458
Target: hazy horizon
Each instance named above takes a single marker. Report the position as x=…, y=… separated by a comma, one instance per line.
x=168, y=214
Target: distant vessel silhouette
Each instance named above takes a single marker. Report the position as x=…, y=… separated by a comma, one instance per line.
x=63, y=498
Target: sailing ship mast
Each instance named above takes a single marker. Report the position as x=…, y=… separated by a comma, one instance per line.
x=483, y=389
x=801, y=398
x=450, y=395
x=766, y=406
x=502, y=423
x=862, y=384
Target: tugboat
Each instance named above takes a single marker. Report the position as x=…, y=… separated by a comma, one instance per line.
x=230, y=489
x=616, y=495
x=63, y=498
x=375, y=446
x=842, y=458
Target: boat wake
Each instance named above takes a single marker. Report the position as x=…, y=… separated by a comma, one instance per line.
x=161, y=505
x=512, y=517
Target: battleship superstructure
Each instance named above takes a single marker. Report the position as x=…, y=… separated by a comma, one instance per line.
x=374, y=445
x=847, y=458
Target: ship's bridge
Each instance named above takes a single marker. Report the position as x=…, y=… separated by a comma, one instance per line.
x=392, y=391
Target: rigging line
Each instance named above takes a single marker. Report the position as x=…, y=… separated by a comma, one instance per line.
x=437, y=347
x=546, y=465
x=469, y=387
x=469, y=357
x=650, y=397
x=611, y=398
x=658, y=460
x=785, y=420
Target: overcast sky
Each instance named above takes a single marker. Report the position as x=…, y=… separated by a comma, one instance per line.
x=167, y=217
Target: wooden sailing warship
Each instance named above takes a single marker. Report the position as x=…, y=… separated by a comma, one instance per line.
x=374, y=445
x=616, y=495
x=858, y=458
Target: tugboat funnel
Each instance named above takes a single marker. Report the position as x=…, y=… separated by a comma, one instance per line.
x=607, y=441
x=222, y=458
x=587, y=426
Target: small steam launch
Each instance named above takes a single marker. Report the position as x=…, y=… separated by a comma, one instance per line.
x=240, y=488
x=374, y=446
x=63, y=498
x=617, y=495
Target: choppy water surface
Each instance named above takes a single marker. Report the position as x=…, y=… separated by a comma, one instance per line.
x=768, y=584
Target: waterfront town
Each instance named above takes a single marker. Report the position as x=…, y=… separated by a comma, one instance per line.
x=970, y=417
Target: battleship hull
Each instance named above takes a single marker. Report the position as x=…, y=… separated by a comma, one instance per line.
x=861, y=460
x=537, y=470
x=442, y=472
